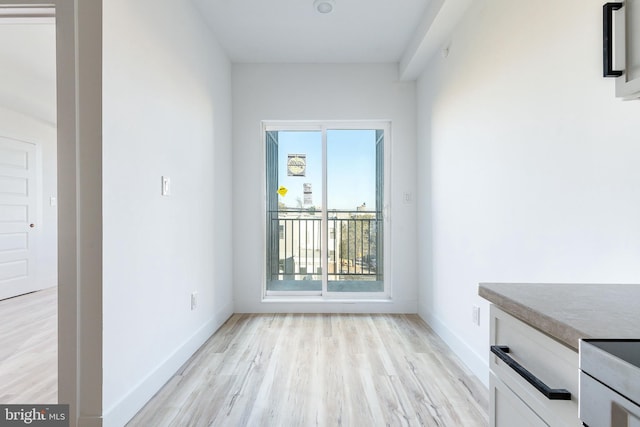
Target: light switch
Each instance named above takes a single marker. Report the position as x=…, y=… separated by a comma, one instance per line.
x=53, y=201
x=166, y=186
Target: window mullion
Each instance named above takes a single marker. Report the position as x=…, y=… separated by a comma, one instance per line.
x=324, y=253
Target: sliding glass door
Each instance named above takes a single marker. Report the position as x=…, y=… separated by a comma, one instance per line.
x=325, y=198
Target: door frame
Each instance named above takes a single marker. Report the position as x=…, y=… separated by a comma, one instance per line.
x=323, y=126
x=79, y=135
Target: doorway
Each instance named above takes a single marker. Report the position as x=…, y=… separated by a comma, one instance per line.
x=28, y=203
x=79, y=151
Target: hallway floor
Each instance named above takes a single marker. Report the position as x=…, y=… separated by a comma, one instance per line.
x=29, y=349
x=321, y=370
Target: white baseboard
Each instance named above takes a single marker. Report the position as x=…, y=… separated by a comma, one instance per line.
x=120, y=413
x=476, y=364
x=319, y=305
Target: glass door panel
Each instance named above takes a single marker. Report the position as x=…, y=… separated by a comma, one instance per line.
x=355, y=171
x=294, y=211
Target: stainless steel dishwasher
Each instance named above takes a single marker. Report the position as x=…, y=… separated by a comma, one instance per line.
x=609, y=383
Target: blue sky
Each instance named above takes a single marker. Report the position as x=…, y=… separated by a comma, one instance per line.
x=351, y=167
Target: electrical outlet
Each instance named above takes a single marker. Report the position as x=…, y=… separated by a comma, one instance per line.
x=194, y=300
x=476, y=315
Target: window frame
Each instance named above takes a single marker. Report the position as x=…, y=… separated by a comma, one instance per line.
x=324, y=126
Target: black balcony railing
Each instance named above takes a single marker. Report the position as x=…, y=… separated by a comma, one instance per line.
x=354, y=250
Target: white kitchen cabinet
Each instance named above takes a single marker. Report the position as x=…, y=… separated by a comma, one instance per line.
x=506, y=407
x=625, y=39
x=514, y=401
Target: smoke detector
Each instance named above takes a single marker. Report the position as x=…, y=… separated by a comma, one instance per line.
x=324, y=6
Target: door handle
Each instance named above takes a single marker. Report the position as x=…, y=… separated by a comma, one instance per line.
x=551, y=393
x=607, y=40
x=32, y=225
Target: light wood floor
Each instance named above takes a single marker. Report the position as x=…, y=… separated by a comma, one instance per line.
x=29, y=348
x=320, y=370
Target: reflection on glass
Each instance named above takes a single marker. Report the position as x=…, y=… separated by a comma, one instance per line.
x=294, y=198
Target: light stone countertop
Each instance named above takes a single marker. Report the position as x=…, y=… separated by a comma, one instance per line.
x=569, y=312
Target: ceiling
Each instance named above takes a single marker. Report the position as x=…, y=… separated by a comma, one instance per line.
x=407, y=32
x=292, y=31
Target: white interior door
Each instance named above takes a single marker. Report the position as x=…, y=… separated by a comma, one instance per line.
x=18, y=211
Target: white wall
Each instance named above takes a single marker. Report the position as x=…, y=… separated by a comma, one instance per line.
x=28, y=58
x=319, y=92
x=167, y=111
x=530, y=163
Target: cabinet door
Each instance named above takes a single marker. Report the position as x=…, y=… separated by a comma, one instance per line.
x=506, y=408
x=627, y=40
